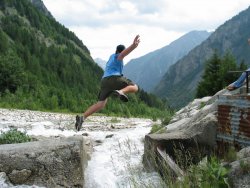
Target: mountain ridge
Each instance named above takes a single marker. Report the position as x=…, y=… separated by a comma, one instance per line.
x=148, y=70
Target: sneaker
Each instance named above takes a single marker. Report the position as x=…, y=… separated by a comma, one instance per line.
x=79, y=121
x=121, y=95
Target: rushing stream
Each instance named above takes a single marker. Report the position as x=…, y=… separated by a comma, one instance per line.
x=117, y=162
x=116, y=159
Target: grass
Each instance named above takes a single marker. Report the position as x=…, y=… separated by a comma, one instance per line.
x=202, y=105
x=230, y=155
x=245, y=167
x=155, y=128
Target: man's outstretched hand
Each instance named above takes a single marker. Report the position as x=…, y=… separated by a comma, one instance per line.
x=130, y=48
x=136, y=40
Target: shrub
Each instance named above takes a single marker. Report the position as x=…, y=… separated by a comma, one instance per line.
x=14, y=136
x=245, y=167
x=166, y=120
x=214, y=174
x=202, y=104
x=155, y=128
x=230, y=155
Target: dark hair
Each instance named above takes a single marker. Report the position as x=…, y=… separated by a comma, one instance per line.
x=119, y=48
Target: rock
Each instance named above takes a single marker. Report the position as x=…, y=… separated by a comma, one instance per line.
x=240, y=173
x=109, y=136
x=192, y=132
x=19, y=176
x=243, y=153
x=111, y=126
x=51, y=162
x=98, y=141
x=240, y=169
x=196, y=141
x=88, y=145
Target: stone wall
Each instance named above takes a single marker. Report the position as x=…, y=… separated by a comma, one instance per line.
x=52, y=162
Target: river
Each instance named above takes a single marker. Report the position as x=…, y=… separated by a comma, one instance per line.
x=116, y=159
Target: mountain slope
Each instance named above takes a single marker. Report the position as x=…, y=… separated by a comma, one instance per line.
x=148, y=70
x=40, y=6
x=47, y=66
x=179, y=84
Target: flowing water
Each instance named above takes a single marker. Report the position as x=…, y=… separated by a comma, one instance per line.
x=116, y=160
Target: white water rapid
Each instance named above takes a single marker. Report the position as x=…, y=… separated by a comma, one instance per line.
x=117, y=162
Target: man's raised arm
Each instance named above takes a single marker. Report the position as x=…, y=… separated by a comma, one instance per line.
x=130, y=48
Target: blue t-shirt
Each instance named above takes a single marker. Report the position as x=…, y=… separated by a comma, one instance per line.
x=113, y=67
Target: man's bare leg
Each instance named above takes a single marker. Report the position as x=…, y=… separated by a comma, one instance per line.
x=94, y=108
x=129, y=89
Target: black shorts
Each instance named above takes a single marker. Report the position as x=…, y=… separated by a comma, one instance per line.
x=111, y=83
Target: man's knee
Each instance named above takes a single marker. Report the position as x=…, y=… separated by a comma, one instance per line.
x=136, y=88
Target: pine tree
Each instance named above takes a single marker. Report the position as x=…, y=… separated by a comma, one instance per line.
x=216, y=75
x=11, y=73
x=209, y=82
x=3, y=43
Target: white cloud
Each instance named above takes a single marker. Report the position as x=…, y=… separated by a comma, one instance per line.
x=104, y=24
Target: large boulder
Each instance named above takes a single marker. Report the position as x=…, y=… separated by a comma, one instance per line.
x=51, y=162
x=191, y=132
x=185, y=145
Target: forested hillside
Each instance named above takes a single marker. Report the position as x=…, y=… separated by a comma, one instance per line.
x=44, y=66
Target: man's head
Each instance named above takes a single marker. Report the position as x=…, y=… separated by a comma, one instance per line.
x=119, y=48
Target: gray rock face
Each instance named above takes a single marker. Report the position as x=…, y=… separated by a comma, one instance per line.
x=196, y=121
x=19, y=176
x=240, y=169
x=192, y=133
x=50, y=163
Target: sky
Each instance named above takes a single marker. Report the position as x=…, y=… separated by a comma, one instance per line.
x=103, y=24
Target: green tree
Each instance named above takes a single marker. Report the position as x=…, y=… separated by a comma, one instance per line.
x=4, y=42
x=216, y=75
x=228, y=63
x=209, y=83
x=11, y=72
